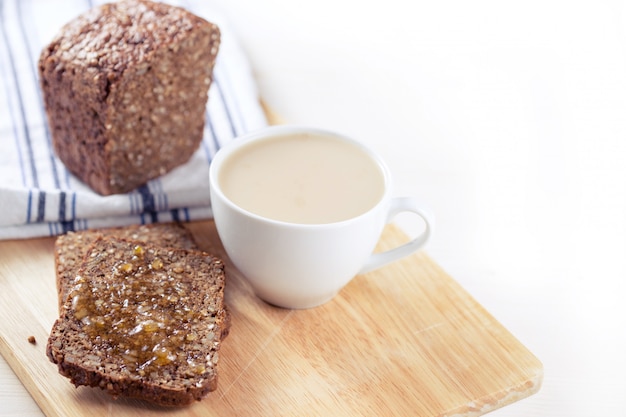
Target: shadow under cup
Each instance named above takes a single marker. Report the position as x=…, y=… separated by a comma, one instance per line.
x=300, y=210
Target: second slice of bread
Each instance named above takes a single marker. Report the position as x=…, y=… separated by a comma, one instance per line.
x=70, y=249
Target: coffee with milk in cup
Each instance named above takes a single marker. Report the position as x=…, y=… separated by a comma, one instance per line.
x=300, y=210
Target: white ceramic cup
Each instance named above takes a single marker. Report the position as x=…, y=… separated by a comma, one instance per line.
x=304, y=265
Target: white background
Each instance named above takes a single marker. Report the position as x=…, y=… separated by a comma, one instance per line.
x=509, y=120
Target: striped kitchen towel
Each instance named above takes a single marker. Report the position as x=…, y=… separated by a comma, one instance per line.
x=38, y=196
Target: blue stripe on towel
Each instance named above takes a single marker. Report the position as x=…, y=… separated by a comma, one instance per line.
x=41, y=207
x=35, y=80
x=174, y=214
x=66, y=225
x=22, y=112
x=224, y=88
x=14, y=126
x=213, y=132
x=149, y=208
x=233, y=130
x=29, y=205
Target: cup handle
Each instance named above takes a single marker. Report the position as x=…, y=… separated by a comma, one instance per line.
x=399, y=205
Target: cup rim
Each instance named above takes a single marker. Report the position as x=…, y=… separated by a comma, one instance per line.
x=269, y=132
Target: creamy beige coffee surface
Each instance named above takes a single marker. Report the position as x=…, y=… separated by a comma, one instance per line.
x=304, y=178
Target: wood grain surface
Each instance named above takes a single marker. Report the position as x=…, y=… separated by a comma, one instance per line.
x=403, y=340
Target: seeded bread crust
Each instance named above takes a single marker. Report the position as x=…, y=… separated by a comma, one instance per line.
x=89, y=357
x=125, y=87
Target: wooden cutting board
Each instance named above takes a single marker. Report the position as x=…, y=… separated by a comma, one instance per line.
x=402, y=340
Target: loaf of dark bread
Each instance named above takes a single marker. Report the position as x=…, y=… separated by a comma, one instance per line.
x=142, y=321
x=125, y=89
